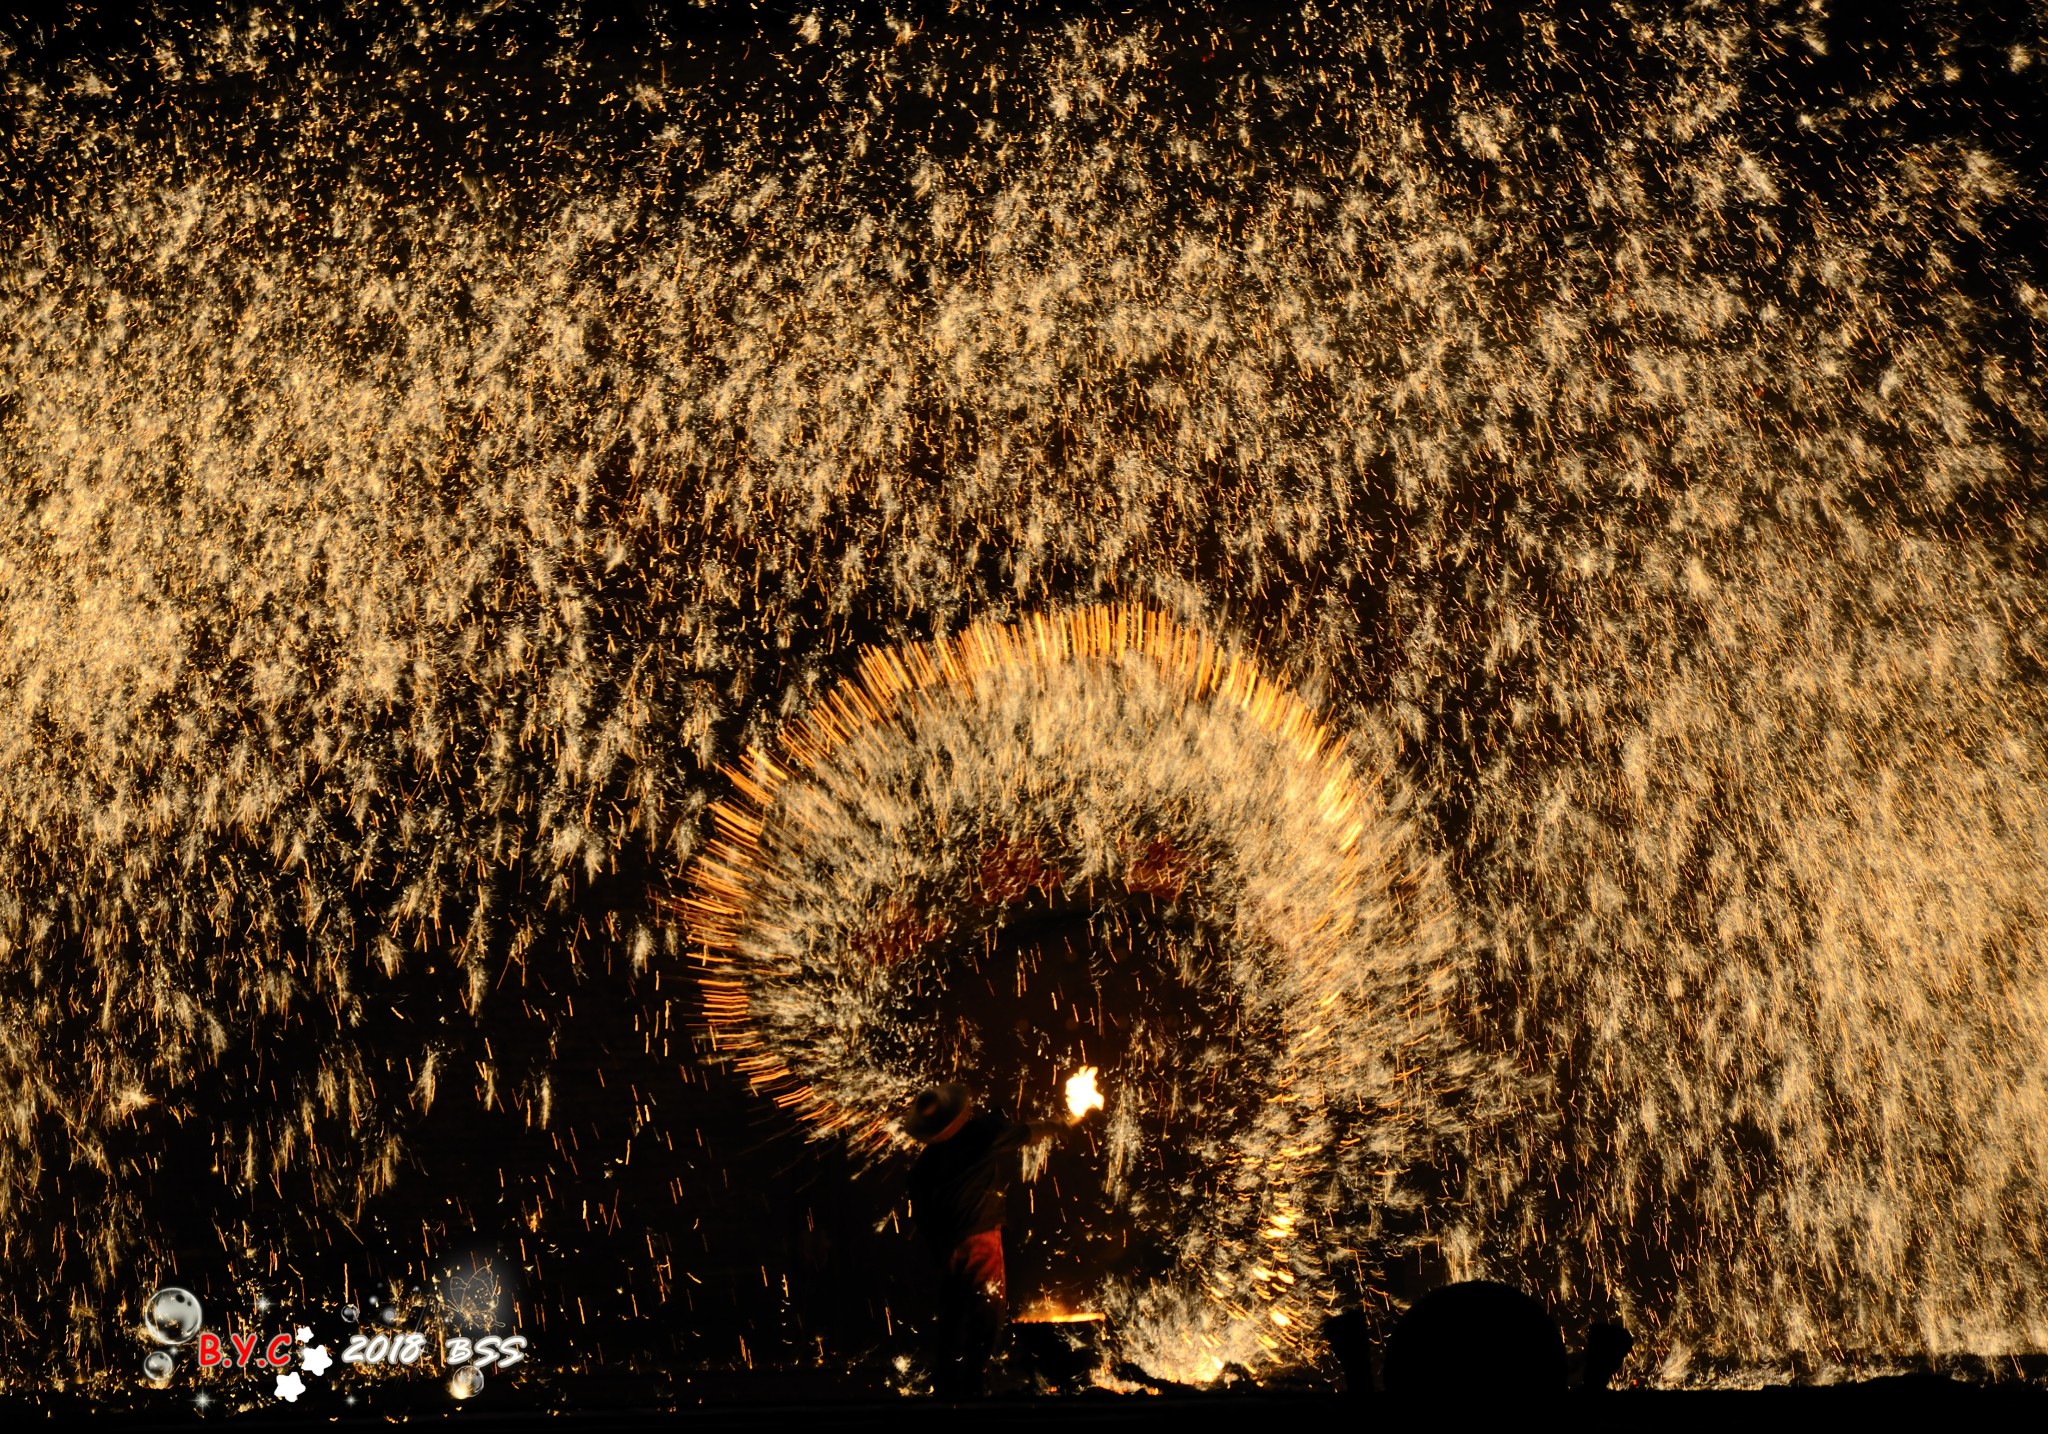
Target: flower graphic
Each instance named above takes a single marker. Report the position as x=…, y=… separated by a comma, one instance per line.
x=314, y=1359
x=303, y=1333
x=290, y=1386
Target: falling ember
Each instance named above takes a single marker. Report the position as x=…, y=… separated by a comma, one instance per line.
x=1083, y=1095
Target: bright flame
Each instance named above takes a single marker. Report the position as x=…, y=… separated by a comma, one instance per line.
x=1083, y=1095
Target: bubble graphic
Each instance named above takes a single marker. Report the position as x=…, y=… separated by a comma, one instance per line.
x=467, y=1382
x=173, y=1315
x=350, y=1314
x=158, y=1366
x=471, y=1294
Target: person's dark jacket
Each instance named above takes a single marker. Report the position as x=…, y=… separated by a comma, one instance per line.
x=960, y=1187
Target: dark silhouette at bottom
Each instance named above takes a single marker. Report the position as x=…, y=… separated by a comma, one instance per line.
x=1350, y=1338
x=1607, y=1349
x=1478, y=1339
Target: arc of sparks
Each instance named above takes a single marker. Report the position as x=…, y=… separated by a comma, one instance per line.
x=726, y=879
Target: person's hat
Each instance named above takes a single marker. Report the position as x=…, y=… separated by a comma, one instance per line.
x=935, y=1110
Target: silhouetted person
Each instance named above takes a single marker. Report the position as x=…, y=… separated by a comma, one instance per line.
x=1607, y=1349
x=1475, y=1340
x=959, y=1199
x=1348, y=1333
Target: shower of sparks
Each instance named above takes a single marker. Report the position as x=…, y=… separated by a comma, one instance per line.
x=1083, y=1095
x=430, y=450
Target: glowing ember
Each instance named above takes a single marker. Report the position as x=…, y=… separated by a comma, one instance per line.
x=1059, y=1316
x=1083, y=1095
